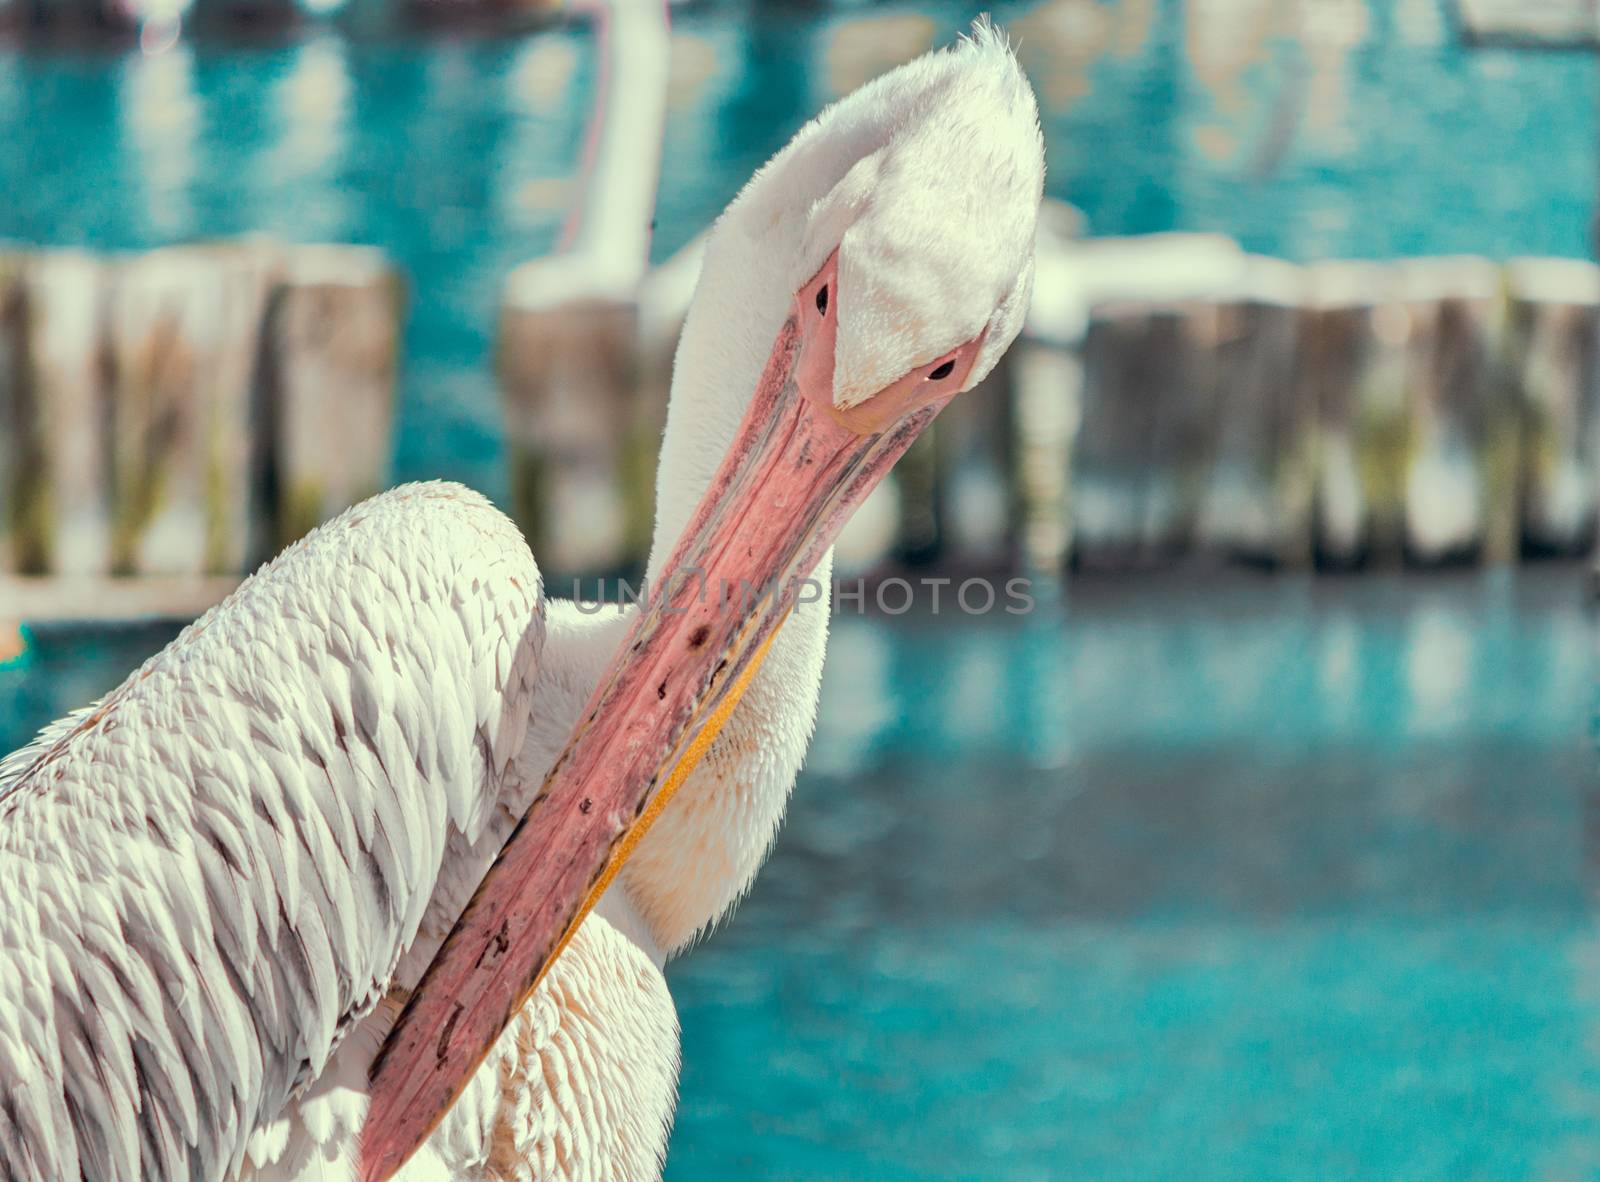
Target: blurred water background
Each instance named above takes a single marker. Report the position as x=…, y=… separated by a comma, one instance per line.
x=1305, y=130
x=1179, y=876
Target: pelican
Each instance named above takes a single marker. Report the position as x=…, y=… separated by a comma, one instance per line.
x=373, y=871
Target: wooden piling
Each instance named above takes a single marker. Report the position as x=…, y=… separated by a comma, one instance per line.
x=162, y=330
x=184, y=342
x=974, y=462
x=916, y=498
x=1256, y=503
x=567, y=374
x=150, y=405
x=14, y=429
x=61, y=523
x=1046, y=389
x=1460, y=486
x=1141, y=463
x=1355, y=337
x=1554, y=347
x=240, y=515
x=333, y=335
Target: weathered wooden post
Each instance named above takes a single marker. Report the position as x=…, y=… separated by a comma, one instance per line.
x=241, y=513
x=148, y=404
x=1046, y=385
x=1355, y=356
x=1460, y=485
x=567, y=368
x=973, y=465
x=1045, y=376
x=14, y=428
x=1555, y=352
x=569, y=322
x=1258, y=495
x=332, y=340
x=162, y=329
x=916, y=502
x=184, y=340
x=1143, y=444
x=61, y=520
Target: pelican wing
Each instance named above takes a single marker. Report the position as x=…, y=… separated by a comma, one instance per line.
x=209, y=875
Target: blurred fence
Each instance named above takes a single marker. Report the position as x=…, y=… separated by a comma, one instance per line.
x=1426, y=410
x=1421, y=411
x=174, y=417
x=180, y=414
x=1173, y=397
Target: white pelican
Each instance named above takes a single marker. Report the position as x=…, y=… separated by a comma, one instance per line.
x=220, y=884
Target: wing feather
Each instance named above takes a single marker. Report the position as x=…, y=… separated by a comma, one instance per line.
x=208, y=876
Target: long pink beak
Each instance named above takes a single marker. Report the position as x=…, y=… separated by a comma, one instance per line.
x=796, y=470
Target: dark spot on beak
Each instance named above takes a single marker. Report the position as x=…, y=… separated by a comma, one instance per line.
x=661, y=691
x=699, y=635
x=442, y=1051
x=586, y=806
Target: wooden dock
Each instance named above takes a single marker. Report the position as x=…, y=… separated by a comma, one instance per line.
x=1422, y=412
x=1173, y=398
x=168, y=420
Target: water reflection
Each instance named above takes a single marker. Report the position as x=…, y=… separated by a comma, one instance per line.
x=313, y=101
x=1274, y=663
x=846, y=731
x=1438, y=668
x=1309, y=899
x=162, y=118
x=530, y=194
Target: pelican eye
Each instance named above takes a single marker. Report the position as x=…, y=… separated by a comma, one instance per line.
x=822, y=299
x=944, y=371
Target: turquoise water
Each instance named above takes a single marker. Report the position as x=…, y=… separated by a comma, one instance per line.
x=1238, y=880
x=1332, y=131
x=1215, y=879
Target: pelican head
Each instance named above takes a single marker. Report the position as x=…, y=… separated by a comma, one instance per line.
x=925, y=244
x=876, y=268
x=896, y=229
